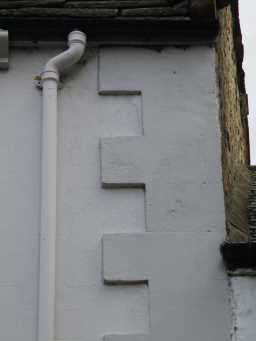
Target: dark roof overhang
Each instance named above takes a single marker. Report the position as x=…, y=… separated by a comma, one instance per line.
x=118, y=31
x=147, y=22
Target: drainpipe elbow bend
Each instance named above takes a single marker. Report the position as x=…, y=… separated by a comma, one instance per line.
x=55, y=66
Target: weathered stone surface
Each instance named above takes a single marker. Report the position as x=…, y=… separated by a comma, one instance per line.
x=252, y=205
x=233, y=119
x=237, y=209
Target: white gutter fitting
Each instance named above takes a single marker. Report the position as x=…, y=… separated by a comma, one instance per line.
x=4, y=50
x=50, y=78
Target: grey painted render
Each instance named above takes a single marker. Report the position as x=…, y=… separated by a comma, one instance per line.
x=243, y=298
x=175, y=161
x=86, y=309
x=177, y=156
x=186, y=293
x=179, y=272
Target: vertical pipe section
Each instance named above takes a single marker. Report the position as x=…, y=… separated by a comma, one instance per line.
x=49, y=83
x=46, y=312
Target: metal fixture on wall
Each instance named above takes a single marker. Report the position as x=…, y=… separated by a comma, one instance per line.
x=49, y=82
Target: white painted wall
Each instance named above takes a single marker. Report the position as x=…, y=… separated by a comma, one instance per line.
x=86, y=309
x=243, y=295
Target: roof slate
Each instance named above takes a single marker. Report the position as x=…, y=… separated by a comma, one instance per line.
x=104, y=8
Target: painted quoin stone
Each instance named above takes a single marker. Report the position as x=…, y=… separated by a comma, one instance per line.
x=177, y=159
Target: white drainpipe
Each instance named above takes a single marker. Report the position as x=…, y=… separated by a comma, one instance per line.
x=50, y=83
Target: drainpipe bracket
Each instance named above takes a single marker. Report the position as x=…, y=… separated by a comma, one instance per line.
x=4, y=49
x=38, y=82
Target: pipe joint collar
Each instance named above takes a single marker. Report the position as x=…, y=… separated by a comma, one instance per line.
x=76, y=37
x=50, y=75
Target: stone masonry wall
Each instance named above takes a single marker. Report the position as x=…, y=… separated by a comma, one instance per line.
x=233, y=118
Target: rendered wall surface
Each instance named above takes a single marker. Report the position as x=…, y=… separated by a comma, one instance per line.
x=136, y=86
x=244, y=308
